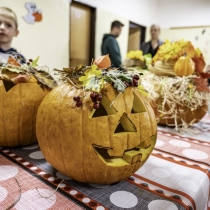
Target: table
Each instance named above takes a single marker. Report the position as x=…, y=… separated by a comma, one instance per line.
x=176, y=176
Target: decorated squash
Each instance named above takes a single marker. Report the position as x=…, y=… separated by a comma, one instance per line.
x=103, y=62
x=20, y=96
x=96, y=137
x=177, y=101
x=180, y=100
x=184, y=66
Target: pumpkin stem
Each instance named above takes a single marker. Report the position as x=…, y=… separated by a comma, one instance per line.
x=185, y=54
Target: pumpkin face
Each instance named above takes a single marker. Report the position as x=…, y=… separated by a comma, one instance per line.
x=102, y=61
x=184, y=66
x=18, y=108
x=101, y=146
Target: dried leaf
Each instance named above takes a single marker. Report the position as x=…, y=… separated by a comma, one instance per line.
x=34, y=62
x=12, y=61
x=14, y=69
x=205, y=75
x=89, y=74
x=14, y=77
x=44, y=78
x=199, y=63
x=201, y=84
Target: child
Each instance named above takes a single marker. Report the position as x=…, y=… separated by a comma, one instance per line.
x=8, y=30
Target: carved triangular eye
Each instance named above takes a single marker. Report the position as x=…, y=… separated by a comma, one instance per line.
x=138, y=106
x=8, y=85
x=101, y=111
x=125, y=125
x=104, y=108
x=119, y=128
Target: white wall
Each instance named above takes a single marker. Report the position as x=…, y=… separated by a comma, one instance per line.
x=166, y=13
x=143, y=12
x=49, y=38
x=178, y=13
x=103, y=23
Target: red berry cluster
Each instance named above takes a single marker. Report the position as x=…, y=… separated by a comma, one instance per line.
x=96, y=98
x=133, y=82
x=29, y=62
x=78, y=101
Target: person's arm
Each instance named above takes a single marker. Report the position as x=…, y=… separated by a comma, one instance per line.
x=114, y=52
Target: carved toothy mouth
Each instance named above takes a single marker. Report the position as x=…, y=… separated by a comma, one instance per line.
x=129, y=157
x=137, y=154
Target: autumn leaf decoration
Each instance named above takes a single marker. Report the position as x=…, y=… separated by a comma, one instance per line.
x=201, y=84
x=16, y=73
x=94, y=79
x=12, y=61
x=173, y=51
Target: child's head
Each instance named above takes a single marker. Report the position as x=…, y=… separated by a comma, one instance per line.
x=8, y=25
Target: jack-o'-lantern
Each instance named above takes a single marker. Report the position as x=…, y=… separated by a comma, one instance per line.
x=96, y=142
x=20, y=96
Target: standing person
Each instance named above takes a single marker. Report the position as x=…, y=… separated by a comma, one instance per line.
x=8, y=30
x=153, y=45
x=110, y=45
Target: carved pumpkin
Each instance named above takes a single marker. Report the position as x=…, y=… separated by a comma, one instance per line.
x=18, y=109
x=38, y=16
x=103, y=62
x=103, y=145
x=184, y=66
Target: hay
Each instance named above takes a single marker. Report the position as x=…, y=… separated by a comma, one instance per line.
x=170, y=94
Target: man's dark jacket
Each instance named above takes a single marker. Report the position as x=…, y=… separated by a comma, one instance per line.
x=111, y=47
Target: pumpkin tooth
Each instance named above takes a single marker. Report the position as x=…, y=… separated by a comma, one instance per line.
x=131, y=156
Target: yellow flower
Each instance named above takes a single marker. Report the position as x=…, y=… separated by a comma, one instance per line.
x=197, y=52
x=173, y=51
x=135, y=54
x=89, y=74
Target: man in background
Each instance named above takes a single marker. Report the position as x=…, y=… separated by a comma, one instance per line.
x=110, y=45
x=153, y=45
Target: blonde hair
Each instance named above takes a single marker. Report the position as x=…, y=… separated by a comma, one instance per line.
x=5, y=11
x=155, y=25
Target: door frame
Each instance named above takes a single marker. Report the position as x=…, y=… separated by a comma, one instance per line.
x=92, y=28
x=142, y=29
